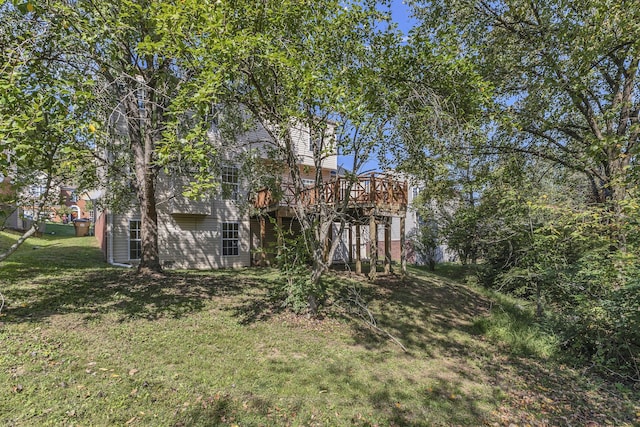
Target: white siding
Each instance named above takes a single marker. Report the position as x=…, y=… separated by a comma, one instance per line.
x=121, y=237
x=195, y=242
x=259, y=139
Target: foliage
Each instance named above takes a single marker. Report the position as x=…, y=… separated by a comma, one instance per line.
x=513, y=323
x=43, y=115
x=290, y=68
x=293, y=258
x=552, y=249
x=426, y=239
x=604, y=332
x=564, y=78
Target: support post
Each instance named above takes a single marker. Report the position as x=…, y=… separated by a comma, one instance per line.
x=279, y=233
x=403, y=246
x=387, y=245
x=373, y=247
x=350, y=243
x=358, y=249
x=263, y=236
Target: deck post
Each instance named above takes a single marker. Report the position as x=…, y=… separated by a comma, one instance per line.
x=373, y=247
x=280, y=233
x=387, y=245
x=403, y=246
x=328, y=242
x=358, y=251
x=350, y=243
x=263, y=236
x=373, y=190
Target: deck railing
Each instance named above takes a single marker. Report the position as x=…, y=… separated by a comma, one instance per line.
x=366, y=190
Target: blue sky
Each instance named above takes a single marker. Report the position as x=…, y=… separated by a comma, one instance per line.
x=400, y=13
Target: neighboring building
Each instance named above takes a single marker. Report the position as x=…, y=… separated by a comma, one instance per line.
x=73, y=205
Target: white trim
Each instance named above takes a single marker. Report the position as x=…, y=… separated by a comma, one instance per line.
x=77, y=209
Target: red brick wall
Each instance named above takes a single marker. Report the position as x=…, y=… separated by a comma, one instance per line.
x=395, y=250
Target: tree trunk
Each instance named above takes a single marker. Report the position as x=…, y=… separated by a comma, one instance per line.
x=146, y=177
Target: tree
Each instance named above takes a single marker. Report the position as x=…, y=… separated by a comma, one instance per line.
x=292, y=64
x=42, y=115
x=565, y=76
x=132, y=92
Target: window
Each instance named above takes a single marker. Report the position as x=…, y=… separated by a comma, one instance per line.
x=314, y=143
x=135, y=241
x=308, y=182
x=230, y=184
x=230, y=238
x=37, y=190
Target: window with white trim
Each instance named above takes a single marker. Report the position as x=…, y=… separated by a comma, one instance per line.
x=308, y=183
x=135, y=239
x=230, y=183
x=230, y=238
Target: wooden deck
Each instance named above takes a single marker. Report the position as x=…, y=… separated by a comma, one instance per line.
x=372, y=191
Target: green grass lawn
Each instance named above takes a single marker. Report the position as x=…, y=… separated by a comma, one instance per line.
x=83, y=343
x=60, y=229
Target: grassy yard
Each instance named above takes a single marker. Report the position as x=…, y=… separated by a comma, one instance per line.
x=83, y=343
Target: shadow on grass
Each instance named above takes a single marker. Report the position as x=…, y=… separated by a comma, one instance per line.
x=98, y=292
x=552, y=394
x=59, y=275
x=260, y=301
x=418, y=310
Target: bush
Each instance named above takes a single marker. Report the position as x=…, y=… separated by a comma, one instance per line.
x=606, y=332
x=293, y=259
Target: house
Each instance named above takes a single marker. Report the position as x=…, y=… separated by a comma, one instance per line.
x=72, y=205
x=199, y=234
x=220, y=232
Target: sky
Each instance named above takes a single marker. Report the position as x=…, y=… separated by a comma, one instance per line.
x=401, y=14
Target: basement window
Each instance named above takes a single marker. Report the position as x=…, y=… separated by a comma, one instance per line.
x=230, y=238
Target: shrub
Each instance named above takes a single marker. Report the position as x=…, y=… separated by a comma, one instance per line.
x=605, y=332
